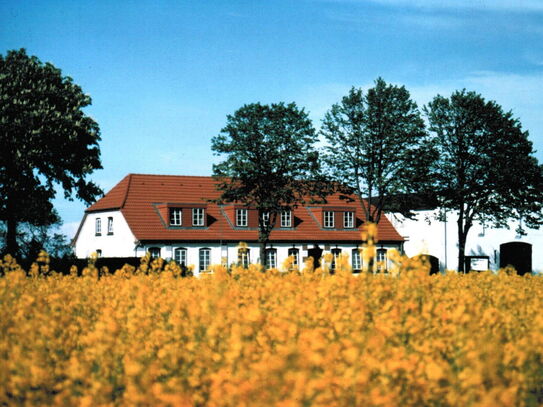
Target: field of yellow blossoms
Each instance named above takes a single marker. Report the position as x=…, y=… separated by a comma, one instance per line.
x=147, y=337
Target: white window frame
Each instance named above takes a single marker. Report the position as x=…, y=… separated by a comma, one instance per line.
x=180, y=256
x=110, y=225
x=198, y=215
x=265, y=219
x=244, y=257
x=336, y=252
x=271, y=258
x=286, y=219
x=98, y=227
x=204, y=258
x=348, y=220
x=241, y=217
x=294, y=252
x=176, y=217
x=382, y=257
x=154, y=252
x=328, y=219
x=356, y=260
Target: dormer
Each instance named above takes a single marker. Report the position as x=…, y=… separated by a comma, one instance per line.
x=336, y=217
x=240, y=216
x=183, y=215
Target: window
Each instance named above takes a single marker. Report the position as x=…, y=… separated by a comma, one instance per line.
x=348, y=220
x=176, y=217
x=98, y=227
x=241, y=217
x=154, y=252
x=381, y=260
x=244, y=257
x=356, y=260
x=180, y=256
x=98, y=253
x=286, y=219
x=328, y=219
x=294, y=253
x=265, y=218
x=205, y=259
x=271, y=258
x=110, y=225
x=197, y=216
x=335, y=255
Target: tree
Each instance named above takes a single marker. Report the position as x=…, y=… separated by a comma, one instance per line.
x=377, y=146
x=31, y=239
x=486, y=170
x=46, y=139
x=270, y=162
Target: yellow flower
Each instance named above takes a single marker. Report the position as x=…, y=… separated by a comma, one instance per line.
x=245, y=338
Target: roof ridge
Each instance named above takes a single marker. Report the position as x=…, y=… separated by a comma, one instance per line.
x=127, y=191
x=171, y=175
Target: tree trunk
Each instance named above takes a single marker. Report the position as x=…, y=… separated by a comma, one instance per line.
x=263, y=252
x=461, y=251
x=263, y=237
x=264, y=232
x=463, y=230
x=11, y=233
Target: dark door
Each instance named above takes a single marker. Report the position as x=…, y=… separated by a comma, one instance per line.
x=316, y=253
x=434, y=264
x=433, y=260
x=518, y=255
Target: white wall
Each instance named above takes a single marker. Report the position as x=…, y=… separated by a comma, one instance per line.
x=427, y=235
x=122, y=243
x=119, y=244
x=231, y=251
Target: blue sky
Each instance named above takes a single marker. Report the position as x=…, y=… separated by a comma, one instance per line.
x=163, y=75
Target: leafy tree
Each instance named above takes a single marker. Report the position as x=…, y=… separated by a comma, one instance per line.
x=46, y=139
x=31, y=239
x=377, y=146
x=270, y=162
x=486, y=170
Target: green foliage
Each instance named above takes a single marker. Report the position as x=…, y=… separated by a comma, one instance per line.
x=377, y=145
x=486, y=169
x=32, y=239
x=269, y=160
x=46, y=139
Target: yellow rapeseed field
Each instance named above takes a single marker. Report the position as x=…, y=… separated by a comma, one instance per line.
x=247, y=338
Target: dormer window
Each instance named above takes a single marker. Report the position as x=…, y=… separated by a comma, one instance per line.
x=197, y=216
x=241, y=217
x=286, y=219
x=265, y=219
x=348, y=220
x=176, y=217
x=328, y=219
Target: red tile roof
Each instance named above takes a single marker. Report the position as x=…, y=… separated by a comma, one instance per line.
x=139, y=196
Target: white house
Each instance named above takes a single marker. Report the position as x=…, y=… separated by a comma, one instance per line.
x=173, y=217
x=437, y=235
